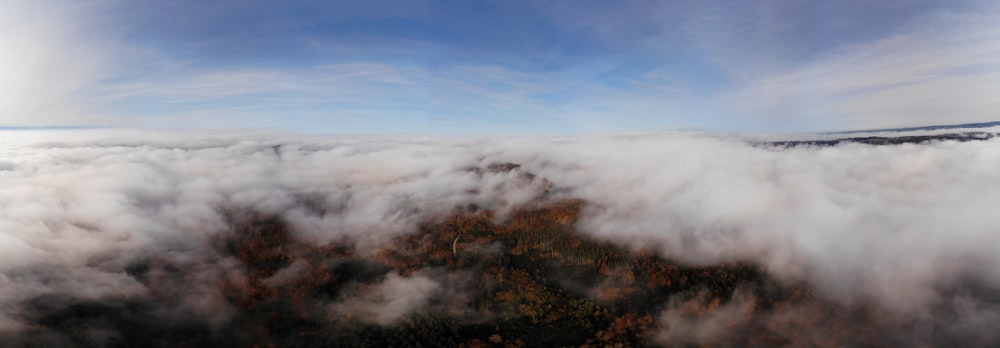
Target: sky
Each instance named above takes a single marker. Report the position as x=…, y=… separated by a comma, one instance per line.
x=498, y=67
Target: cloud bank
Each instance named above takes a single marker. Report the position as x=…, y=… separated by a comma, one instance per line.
x=904, y=228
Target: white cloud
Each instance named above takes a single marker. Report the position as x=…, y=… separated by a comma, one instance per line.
x=942, y=69
x=682, y=323
x=388, y=301
x=892, y=224
x=53, y=53
x=69, y=64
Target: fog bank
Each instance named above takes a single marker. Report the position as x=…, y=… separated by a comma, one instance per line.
x=904, y=227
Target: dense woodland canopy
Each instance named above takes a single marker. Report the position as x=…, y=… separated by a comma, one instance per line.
x=526, y=281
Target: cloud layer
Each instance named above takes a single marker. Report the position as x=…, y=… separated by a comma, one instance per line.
x=902, y=227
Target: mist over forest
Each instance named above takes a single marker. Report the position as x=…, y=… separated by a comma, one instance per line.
x=127, y=238
x=581, y=173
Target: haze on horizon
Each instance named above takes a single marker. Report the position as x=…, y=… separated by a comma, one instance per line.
x=516, y=67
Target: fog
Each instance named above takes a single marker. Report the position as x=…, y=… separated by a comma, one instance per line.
x=905, y=227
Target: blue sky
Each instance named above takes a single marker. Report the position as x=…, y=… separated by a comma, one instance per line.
x=464, y=67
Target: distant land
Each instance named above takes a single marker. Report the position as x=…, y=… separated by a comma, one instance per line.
x=925, y=128
x=882, y=140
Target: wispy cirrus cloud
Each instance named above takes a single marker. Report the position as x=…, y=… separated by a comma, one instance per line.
x=943, y=68
x=551, y=68
x=51, y=54
x=408, y=91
